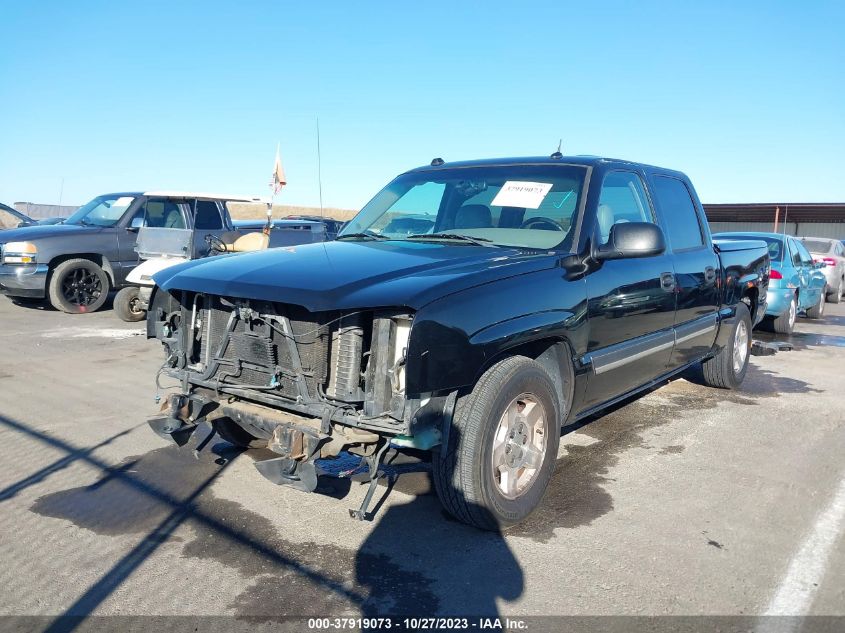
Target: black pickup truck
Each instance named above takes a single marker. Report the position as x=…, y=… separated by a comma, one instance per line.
x=537, y=292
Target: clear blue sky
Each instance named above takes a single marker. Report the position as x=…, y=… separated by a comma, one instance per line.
x=747, y=97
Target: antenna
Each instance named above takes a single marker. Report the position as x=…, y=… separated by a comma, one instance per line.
x=319, y=166
x=557, y=153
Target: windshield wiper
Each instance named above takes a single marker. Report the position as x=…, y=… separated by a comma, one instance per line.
x=362, y=236
x=478, y=241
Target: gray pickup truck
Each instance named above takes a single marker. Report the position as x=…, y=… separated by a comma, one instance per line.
x=76, y=263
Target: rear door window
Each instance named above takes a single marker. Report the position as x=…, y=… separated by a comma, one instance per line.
x=683, y=227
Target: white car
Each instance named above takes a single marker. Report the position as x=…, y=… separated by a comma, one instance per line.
x=832, y=254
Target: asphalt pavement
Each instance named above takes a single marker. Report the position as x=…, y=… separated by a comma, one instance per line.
x=686, y=501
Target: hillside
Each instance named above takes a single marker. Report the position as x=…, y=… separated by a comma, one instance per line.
x=254, y=211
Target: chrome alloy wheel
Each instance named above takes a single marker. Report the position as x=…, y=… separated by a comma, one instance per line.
x=793, y=312
x=519, y=445
x=740, y=352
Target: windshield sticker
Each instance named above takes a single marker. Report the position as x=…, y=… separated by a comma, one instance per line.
x=516, y=193
x=125, y=201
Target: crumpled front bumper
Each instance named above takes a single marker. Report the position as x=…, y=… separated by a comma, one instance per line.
x=298, y=445
x=24, y=280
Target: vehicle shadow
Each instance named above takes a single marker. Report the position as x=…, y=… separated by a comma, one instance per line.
x=414, y=562
x=448, y=568
x=44, y=305
x=154, y=495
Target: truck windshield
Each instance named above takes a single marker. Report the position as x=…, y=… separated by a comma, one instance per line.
x=10, y=219
x=101, y=211
x=527, y=206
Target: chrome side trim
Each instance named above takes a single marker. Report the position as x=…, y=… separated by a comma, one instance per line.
x=600, y=369
x=626, y=352
x=686, y=331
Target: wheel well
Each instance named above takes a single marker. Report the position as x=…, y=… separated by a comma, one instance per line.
x=749, y=298
x=100, y=260
x=555, y=355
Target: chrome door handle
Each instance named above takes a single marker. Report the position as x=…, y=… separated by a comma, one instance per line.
x=709, y=274
x=667, y=281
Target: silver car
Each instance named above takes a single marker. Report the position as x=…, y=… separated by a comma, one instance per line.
x=832, y=254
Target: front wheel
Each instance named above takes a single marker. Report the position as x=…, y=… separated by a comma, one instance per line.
x=78, y=286
x=127, y=305
x=502, y=446
x=726, y=370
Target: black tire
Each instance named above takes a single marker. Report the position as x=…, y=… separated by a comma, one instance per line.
x=235, y=434
x=126, y=305
x=836, y=295
x=722, y=370
x=785, y=323
x=78, y=286
x=817, y=310
x=463, y=471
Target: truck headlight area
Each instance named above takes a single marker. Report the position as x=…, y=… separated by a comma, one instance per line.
x=400, y=349
x=19, y=253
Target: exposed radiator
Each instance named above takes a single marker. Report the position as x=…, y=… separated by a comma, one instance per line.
x=330, y=350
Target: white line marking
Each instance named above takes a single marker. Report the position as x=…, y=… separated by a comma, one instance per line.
x=807, y=568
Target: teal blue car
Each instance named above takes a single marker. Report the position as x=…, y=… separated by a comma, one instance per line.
x=797, y=284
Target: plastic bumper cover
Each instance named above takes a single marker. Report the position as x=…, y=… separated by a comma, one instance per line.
x=23, y=280
x=777, y=300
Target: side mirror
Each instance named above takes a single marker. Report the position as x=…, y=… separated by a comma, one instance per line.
x=137, y=223
x=631, y=239
x=819, y=265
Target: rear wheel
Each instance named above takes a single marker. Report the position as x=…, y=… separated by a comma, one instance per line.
x=78, y=286
x=817, y=310
x=235, y=434
x=785, y=323
x=836, y=295
x=727, y=369
x=127, y=305
x=502, y=446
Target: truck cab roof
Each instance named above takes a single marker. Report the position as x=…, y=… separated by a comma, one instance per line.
x=584, y=160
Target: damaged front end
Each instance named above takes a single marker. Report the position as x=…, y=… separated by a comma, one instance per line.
x=306, y=385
